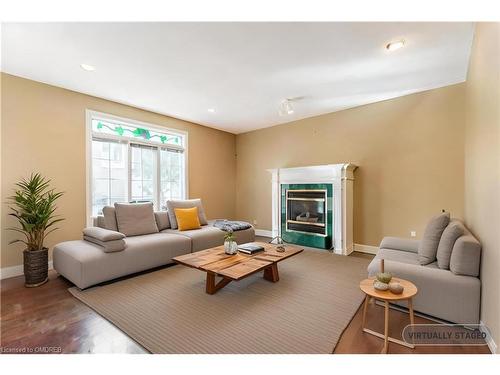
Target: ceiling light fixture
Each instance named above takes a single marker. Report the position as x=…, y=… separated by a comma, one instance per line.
x=286, y=107
x=393, y=46
x=211, y=110
x=87, y=67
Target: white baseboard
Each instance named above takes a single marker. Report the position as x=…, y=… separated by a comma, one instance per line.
x=357, y=247
x=8, y=272
x=365, y=248
x=489, y=339
x=264, y=233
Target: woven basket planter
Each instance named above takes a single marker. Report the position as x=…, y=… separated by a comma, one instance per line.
x=36, y=267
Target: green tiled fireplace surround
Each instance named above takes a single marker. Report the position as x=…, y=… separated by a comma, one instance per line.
x=308, y=239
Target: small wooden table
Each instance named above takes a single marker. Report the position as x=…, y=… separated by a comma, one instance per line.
x=238, y=266
x=410, y=290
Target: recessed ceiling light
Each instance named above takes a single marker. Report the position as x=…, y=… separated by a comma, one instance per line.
x=211, y=110
x=87, y=67
x=393, y=46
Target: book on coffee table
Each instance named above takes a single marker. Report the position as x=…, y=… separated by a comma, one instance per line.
x=250, y=248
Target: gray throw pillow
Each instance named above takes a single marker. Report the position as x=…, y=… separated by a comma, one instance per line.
x=107, y=246
x=466, y=256
x=110, y=218
x=162, y=220
x=430, y=241
x=135, y=219
x=187, y=203
x=103, y=234
x=454, y=230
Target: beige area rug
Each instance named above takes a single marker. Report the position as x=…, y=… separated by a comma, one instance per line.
x=168, y=311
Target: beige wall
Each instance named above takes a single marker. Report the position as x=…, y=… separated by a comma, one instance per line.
x=482, y=164
x=43, y=129
x=410, y=153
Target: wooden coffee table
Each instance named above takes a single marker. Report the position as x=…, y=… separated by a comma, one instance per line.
x=410, y=290
x=236, y=267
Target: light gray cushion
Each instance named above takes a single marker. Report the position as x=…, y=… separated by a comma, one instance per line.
x=162, y=220
x=99, y=222
x=454, y=230
x=187, y=203
x=397, y=243
x=392, y=255
x=135, y=219
x=103, y=234
x=466, y=256
x=109, y=218
x=203, y=238
x=430, y=241
x=85, y=264
x=441, y=293
x=107, y=246
x=209, y=236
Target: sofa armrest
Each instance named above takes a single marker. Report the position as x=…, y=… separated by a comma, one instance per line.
x=102, y=234
x=397, y=243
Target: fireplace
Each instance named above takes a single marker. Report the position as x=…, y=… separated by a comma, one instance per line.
x=313, y=206
x=307, y=214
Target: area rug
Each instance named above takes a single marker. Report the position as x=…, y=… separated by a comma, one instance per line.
x=168, y=311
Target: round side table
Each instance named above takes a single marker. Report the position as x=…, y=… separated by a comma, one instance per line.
x=410, y=290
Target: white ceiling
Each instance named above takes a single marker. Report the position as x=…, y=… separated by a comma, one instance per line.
x=243, y=70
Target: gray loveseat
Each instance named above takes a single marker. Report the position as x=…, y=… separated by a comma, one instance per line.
x=106, y=253
x=449, y=289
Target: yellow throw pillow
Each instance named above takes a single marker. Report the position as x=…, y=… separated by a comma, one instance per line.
x=187, y=218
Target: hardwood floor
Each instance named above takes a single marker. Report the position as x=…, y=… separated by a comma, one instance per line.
x=50, y=319
x=355, y=341
x=49, y=316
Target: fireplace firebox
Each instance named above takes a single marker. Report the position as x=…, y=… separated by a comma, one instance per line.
x=306, y=211
x=307, y=214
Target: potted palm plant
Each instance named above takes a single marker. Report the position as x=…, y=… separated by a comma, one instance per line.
x=33, y=205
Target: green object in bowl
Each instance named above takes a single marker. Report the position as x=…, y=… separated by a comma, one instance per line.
x=384, y=277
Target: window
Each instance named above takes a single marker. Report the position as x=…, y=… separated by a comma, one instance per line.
x=143, y=170
x=134, y=162
x=109, y=174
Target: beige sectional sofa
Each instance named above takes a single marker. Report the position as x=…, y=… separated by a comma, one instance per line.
x=448, y=282
x=91, y=261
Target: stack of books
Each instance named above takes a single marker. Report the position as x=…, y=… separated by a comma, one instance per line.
x=250, y=248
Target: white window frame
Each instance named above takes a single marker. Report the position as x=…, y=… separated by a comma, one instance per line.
x=93, y=115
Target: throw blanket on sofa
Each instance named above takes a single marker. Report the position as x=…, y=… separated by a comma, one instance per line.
x=231, y=226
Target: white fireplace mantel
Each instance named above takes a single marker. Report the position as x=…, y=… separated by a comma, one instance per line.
x=341, y=176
